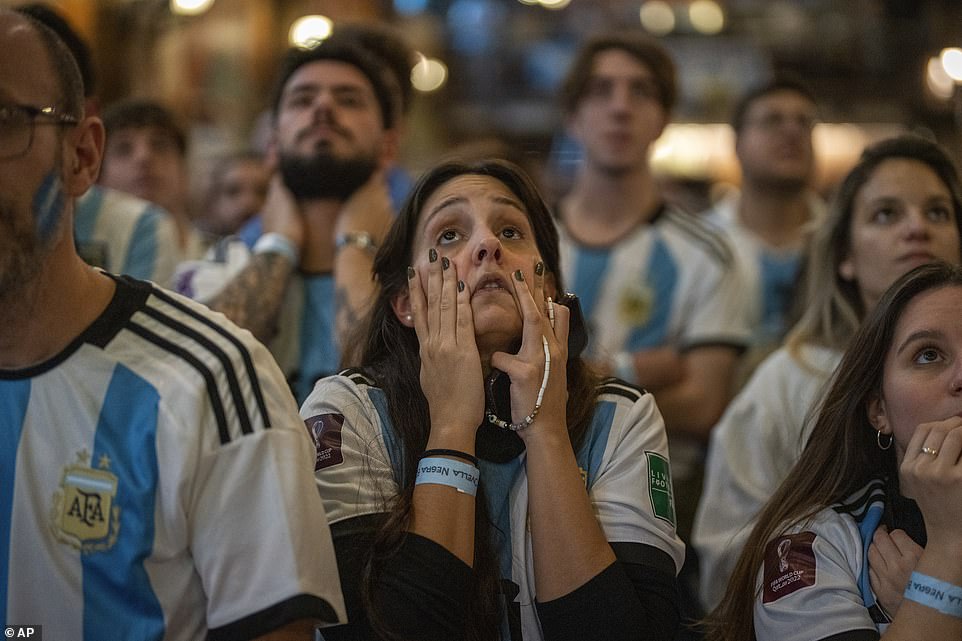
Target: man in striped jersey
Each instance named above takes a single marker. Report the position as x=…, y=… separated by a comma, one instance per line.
x=660, y=289
x=154, y=475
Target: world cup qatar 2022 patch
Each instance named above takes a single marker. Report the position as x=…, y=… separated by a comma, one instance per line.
x=789, y=565
x=325, y=431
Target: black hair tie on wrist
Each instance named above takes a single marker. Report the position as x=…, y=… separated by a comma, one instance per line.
x=464, y=456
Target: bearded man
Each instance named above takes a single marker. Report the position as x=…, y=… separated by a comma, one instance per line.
x=326, y=211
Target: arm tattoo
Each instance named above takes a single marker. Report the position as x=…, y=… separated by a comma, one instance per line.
x=253, y=298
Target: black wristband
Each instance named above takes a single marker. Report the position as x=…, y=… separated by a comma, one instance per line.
x=464, y=456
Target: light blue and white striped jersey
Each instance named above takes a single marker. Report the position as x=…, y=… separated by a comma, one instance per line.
x=770, y=272
x=670, y=282
x=155, y=484
x=304, y=344
x=815, y=580
x=126, y=235
x=623, y=460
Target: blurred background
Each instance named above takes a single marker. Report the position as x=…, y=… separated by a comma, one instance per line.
x=489, y=70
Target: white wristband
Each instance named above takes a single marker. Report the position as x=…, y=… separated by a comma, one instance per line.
x=275, y=243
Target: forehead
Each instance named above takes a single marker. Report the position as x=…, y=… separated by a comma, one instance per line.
x=923, y=312
x=902, y=177
x=327, y=73
x=470, y=190
x=781, y=100
x=619, y=63
x=26, y=76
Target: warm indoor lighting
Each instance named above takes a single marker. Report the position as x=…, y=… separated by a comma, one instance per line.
x=657, y=17
x=939, y=83
x=555, y=4
x=308, y=31
x=706, y=16
x=190, y=7
x=428, y=74
x=952, y=63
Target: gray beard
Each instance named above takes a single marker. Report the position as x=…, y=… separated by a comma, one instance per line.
x=21, y=255
x=325, y=176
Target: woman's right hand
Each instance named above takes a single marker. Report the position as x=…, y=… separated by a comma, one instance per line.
x=451, y=376
x=935, y=480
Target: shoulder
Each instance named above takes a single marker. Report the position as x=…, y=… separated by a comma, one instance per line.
x=698, y=234
x=197, y=356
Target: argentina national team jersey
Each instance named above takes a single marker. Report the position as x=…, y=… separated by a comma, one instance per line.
x=304, y=344
x=126, y=235
x=815, y=580
x=623, y=460
x=152, y=484
x=670, y=282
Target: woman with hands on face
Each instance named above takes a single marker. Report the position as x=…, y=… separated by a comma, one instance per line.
x=884, y=452
x=481, y=481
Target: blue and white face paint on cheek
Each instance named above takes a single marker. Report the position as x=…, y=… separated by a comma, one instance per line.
x=48, y=205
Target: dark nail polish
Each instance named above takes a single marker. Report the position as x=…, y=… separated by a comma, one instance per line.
x=445, y=263
x=432, y=255
x=410, y=272
x=539, y=268
x=519, y=276
x=460, y=285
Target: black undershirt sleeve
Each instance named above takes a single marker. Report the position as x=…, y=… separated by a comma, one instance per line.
x=633, y=599
x=422, y=593
x=854, y=635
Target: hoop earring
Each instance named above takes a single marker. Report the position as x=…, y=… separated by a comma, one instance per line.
x=878, y=439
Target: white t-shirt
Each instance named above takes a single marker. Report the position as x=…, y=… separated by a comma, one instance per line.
x=753, y=447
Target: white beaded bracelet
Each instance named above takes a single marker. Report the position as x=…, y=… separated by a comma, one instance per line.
x=529, y=419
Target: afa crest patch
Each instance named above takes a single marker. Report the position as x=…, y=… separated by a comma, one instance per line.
x=325, y=431
x=789, y=565
x=83, y=514
x=659, y=487
x=635, y=304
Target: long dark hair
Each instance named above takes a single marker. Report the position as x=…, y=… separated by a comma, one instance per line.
x=390, y=354
x=842, y=439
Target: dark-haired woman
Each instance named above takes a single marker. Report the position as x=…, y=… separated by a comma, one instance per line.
x=553, y=519
x=885, y=450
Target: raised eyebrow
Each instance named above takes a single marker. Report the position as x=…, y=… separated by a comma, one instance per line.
x=511, y=202
x=922, y=334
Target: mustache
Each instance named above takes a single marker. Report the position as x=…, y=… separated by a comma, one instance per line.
x=326, y=121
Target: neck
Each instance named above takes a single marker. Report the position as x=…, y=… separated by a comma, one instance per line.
x=603, y=206
x=320, y=218
x=777, y=216
x=44, y=315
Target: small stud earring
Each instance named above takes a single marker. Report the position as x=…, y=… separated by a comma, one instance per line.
x=407, y=317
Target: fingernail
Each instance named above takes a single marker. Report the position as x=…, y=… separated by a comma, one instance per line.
x=460, y=285
x=445, y=263
x=410, y=272
x=519, y=276
x=432, y=255
x=539, y=268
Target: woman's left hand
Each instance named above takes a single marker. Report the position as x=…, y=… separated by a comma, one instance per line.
x=526, y=368
x=892, y=558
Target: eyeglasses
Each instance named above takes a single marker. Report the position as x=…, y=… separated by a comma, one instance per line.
x=777, y=120
x=17, y=123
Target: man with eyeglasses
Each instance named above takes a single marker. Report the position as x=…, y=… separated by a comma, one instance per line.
x=766, y=221
x=155, y=477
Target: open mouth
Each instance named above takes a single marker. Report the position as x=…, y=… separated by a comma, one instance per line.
x=490, y=283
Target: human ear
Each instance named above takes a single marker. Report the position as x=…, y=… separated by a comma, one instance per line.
x=846, y=269
x=401, y=304
x=876, y=414
x=82, y=156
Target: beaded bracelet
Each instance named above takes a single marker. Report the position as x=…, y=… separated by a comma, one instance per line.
x=442, y=471
x=936, y=594
x=529, y=419
x=464, y=456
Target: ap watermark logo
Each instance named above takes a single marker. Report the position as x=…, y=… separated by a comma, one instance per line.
x=32, y=632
